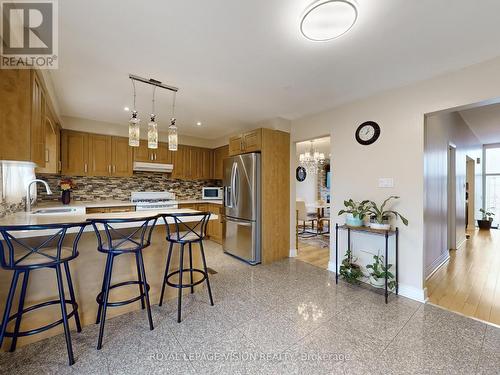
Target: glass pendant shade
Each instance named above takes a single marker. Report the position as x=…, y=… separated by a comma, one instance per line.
x=133, y=130
x=172, y=136
x=152, y=133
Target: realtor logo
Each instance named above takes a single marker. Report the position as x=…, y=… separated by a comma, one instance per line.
x=29, y=34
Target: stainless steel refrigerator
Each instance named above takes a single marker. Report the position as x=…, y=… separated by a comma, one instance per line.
x=242, y=207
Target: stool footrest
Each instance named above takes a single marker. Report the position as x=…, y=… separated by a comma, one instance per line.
x=187, y=270
x=46, y=327
x=126, y=302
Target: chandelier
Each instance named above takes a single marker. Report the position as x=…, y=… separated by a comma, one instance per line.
x=152, y=131
x=311, y=160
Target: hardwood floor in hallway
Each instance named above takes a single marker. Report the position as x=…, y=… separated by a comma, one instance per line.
x=313, y=253
x=469, y=283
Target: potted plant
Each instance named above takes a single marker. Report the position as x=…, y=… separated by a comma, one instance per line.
x=357, y=212
x=349, y=270
x=380, y=216
x=379, y=272
x=487, y=219
x=66, y=185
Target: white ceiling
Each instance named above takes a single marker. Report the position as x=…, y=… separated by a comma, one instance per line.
x=241, y=62
x=484, y=122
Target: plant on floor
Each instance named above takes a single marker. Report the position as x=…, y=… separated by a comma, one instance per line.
x=487, y=218
x=379, y=272
x=381, y=216
x=349, y=270
x=358, y=210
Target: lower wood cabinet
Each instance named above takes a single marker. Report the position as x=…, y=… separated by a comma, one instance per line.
x=215, y=228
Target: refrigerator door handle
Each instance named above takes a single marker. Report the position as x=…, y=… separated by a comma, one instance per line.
x=233, y=184
x=239, y=222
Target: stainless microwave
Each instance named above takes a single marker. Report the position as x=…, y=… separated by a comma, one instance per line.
x=212, y=193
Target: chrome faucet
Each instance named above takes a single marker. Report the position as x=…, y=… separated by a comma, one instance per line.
x=28, y=192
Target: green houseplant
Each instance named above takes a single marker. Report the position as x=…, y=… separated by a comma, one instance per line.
x=349, y=270
x=380, y=215
x=357, y=211
x=378, y=273
x=487, y=219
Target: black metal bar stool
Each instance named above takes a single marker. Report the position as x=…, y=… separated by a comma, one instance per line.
x=120, y=239
x=44, y=246
x=186, y=233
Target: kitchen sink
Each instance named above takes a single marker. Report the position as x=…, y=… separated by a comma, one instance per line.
x=54, y=211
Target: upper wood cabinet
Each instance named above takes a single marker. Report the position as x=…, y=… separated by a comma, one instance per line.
x=86, y=154
x=99, y=155
x=23, y=114
x=218, y=166
x=247, y=142
x=153, y=155
x=74, y=153
x=52, y=146
x=121, y=157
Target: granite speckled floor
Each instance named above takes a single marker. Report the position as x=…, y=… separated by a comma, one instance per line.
x=285, y=318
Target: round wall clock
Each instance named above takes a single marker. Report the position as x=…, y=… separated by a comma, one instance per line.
x=367, y=133
x=300, y=174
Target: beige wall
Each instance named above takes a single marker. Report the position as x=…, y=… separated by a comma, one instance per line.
x=399, y=153
x=442, y=130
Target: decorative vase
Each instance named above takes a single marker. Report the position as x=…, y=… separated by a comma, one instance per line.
x=354, y=221
x=377, y=283
x=66, y=196
x=379, y=226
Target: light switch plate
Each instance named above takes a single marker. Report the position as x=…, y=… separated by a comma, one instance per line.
x=386, y=182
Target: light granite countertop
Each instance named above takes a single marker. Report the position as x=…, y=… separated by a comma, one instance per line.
x=25, y=218
x=112, y=203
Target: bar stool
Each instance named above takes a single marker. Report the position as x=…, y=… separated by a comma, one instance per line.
x=45, y=246
x=121, y=239
x=185, y=234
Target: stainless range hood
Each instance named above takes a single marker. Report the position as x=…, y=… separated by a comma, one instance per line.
x=153, y=167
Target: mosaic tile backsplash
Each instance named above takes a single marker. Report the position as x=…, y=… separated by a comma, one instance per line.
x=119, y=188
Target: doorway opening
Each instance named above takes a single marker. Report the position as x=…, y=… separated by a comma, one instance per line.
x=462, y=210
x=312, y=186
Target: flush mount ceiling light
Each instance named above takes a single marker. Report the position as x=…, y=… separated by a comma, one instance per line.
x=328, y=19
x=198, y=123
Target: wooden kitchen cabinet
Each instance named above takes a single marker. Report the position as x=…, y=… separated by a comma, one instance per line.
x=121, y=157
x=52, y=145
x=149, y=155
x=247, y=142
x=218, y=165
x=215, y=228
x=206, y=161
x=142, y=152
x=99, y=155
x=74, y=153
x=38, y=118
x=23, y=114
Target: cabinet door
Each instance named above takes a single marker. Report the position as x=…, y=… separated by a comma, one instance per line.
x=38, y=114
x=195, y=163
x=252, y=141
x=187, y=162
x=142, y=152
x=206, y=163
x=52, y=145
x=218, y=168
x=162, y=153
x=121, y=157
x=236, y=145
x=74, y=153
x=178, y=161
x=100, y=155
x=15, y=114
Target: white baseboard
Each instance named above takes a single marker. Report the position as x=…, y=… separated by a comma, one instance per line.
x=292, y=253
x=442, y=259
x=413, y=293
x=331, y=266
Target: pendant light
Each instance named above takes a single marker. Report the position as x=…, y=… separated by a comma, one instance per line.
x=173, y=139
x=153, y=126
x=133, y=126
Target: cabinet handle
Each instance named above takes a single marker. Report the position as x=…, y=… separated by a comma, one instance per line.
x=109, y=168
x=60, y=166
x=47, y=155
x=156, y=156
x=85, y=168
x=114, y=168
x=152, y=157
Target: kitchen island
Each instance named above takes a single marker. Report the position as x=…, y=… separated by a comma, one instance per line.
x=88, y=268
